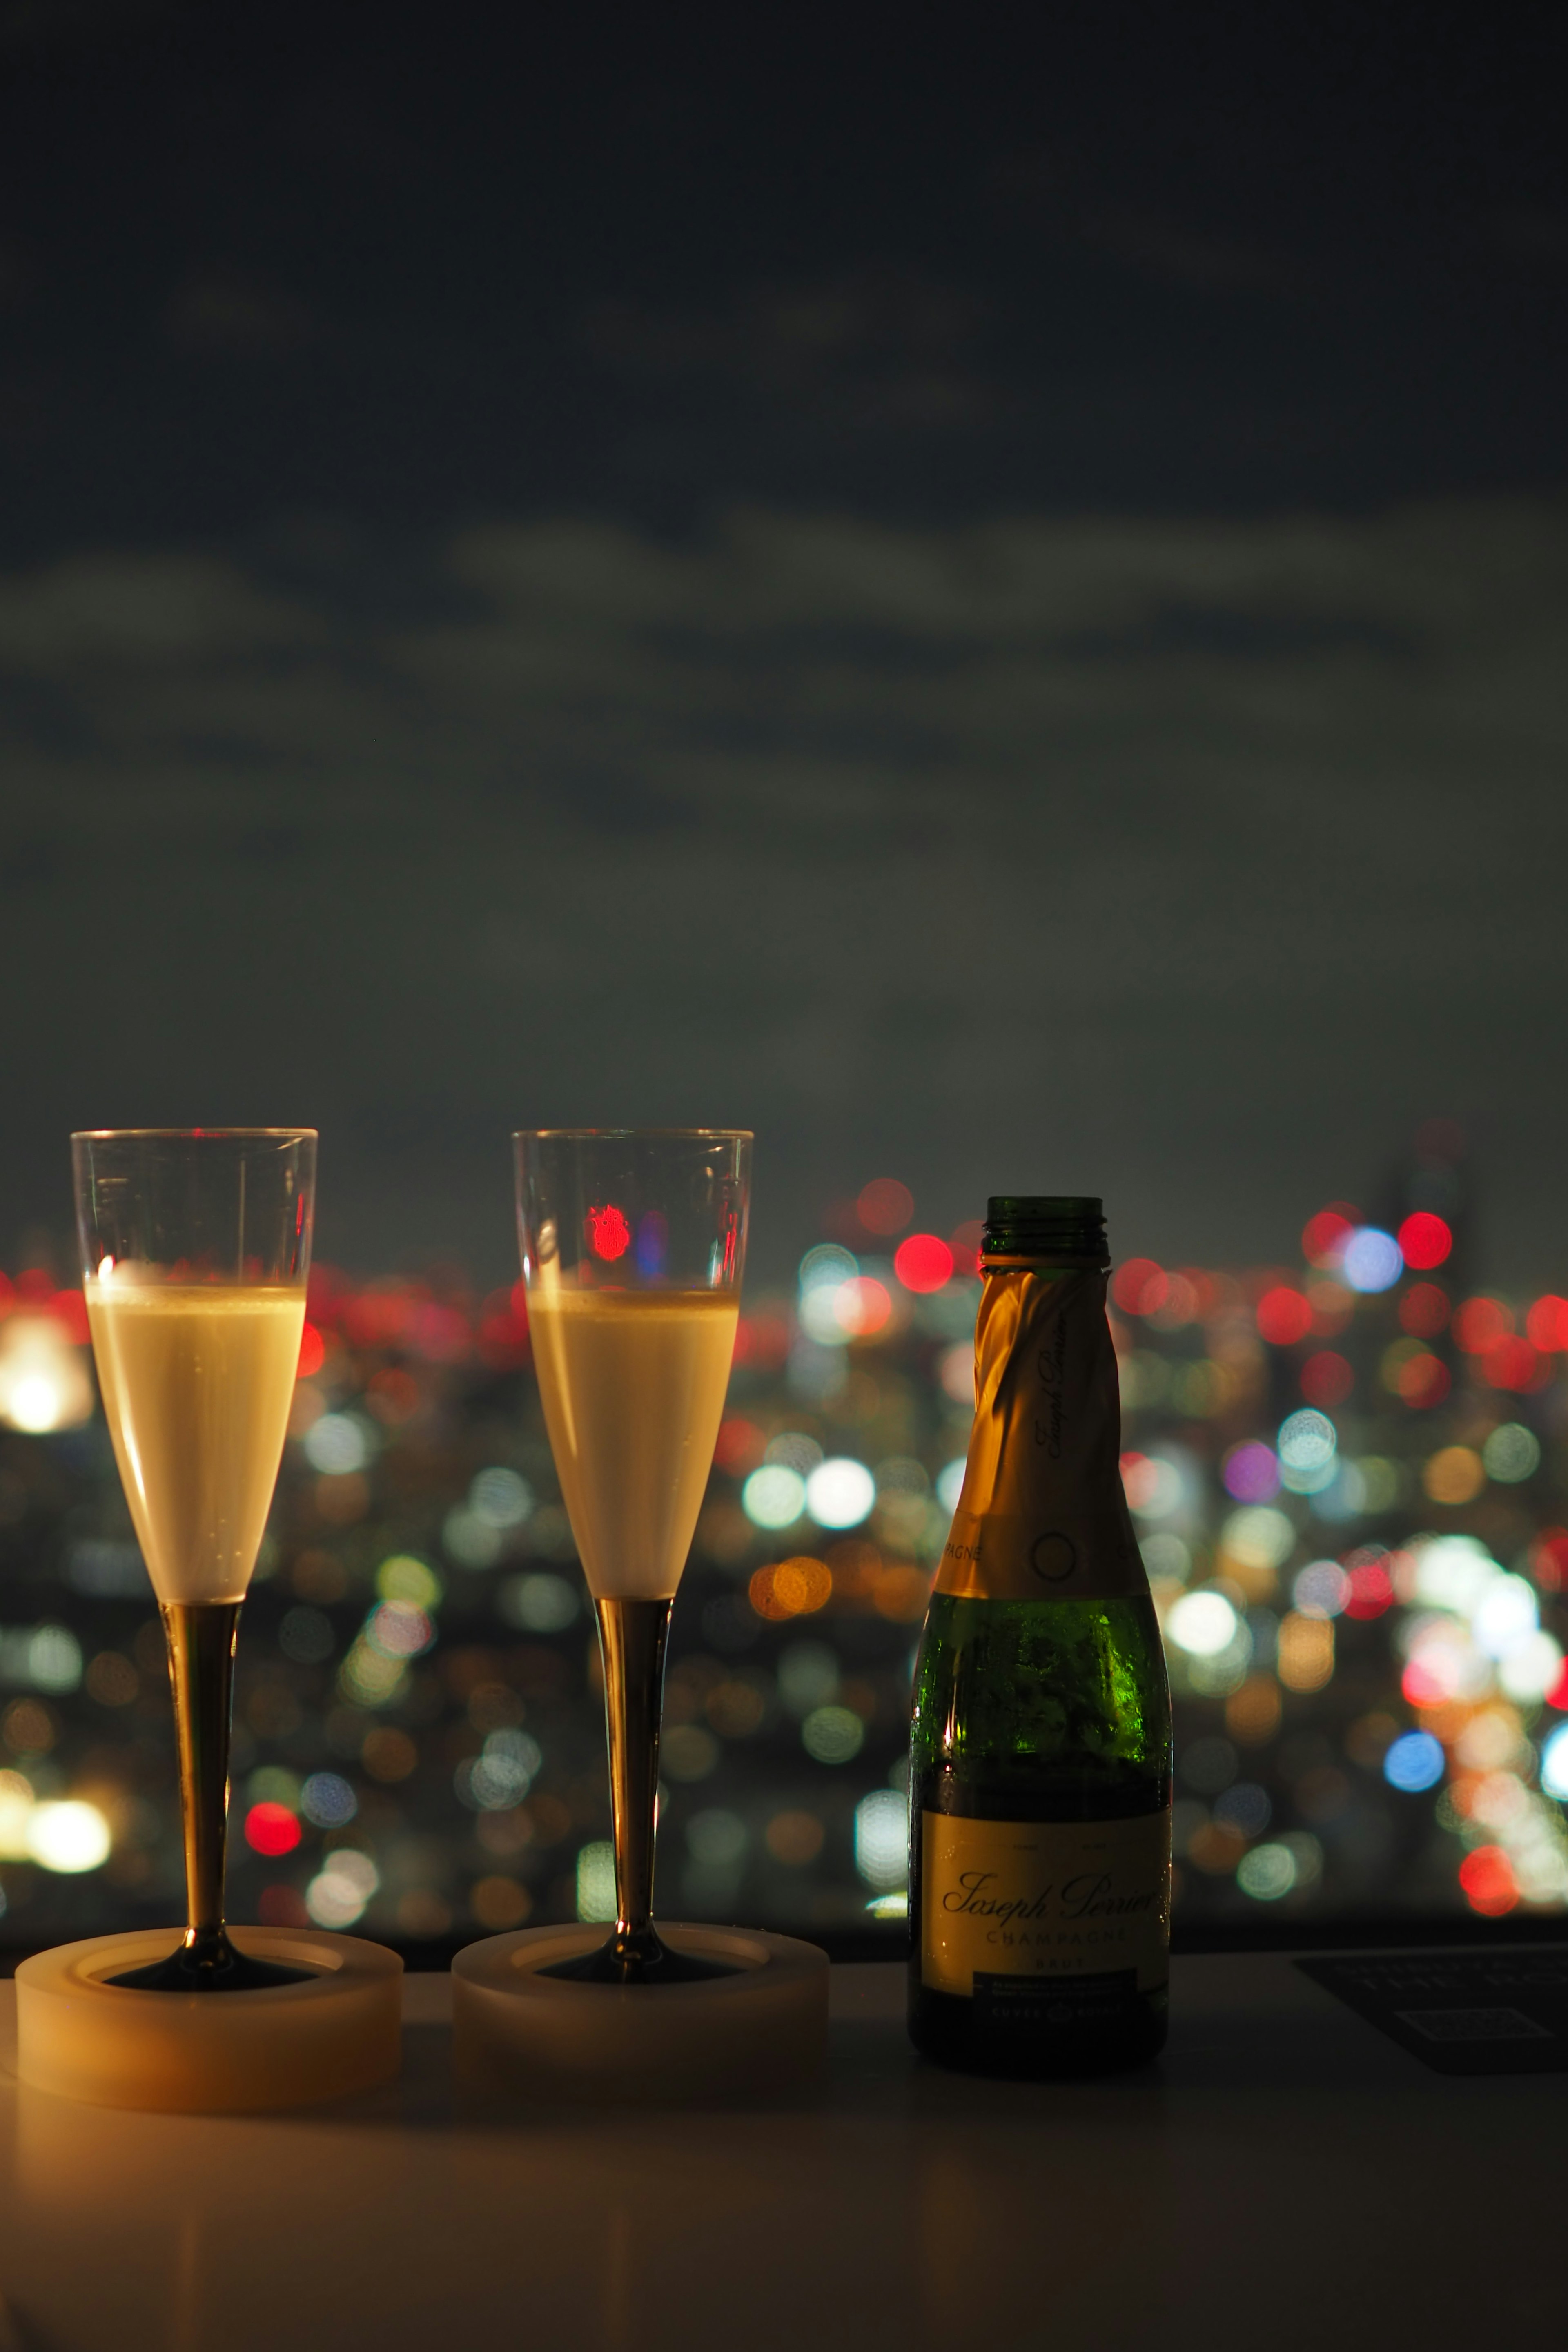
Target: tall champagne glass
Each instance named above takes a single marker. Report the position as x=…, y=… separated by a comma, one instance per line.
x=633, y=1242
x=196, y=1245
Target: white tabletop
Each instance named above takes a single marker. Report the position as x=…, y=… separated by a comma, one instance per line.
x=1286, y=2177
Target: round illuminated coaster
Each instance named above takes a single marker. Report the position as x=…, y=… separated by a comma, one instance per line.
x=292, y=2045
x=759, y=2030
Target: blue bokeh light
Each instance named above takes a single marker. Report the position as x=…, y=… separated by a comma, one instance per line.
x=1414, y=1762
x=1373, y=1259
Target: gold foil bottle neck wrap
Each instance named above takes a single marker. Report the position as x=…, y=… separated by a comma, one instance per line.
x=1042, y=1514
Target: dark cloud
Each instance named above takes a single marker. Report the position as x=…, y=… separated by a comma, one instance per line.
x=1191, y=861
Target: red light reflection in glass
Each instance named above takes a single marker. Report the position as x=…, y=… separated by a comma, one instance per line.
x=609, y=1235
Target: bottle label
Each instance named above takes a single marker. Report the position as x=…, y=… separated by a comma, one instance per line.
x=1042, y=1514
x=1007, y=1907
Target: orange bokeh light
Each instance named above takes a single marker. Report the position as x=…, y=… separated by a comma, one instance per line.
x=791, y=1588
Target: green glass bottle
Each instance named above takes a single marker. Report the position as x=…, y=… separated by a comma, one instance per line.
x=1040, y=1756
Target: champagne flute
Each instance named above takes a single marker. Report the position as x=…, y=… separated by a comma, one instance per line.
x=633, y=1242
x=195, y=1246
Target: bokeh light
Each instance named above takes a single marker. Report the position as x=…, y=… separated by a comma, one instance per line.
x=1414, y=1761
x=885, y=1206
x=923, y=1263
x=1371, y=1260
x=1284, y=1316
x=1425, y=1240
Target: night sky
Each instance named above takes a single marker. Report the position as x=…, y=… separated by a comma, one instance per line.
x=983, y=594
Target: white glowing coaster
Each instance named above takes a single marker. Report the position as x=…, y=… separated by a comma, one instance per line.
x=210, y=2053
x=759, y=2030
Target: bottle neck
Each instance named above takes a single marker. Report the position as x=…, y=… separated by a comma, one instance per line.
x=1042, y=1514
x=1027, y=1261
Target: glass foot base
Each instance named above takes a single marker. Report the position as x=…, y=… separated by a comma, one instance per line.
x=533, y=2019
x=653, y=1962
x=322, y=2021
x=218, y=1968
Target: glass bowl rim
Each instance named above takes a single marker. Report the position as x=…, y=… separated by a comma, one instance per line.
x=192, y=1134
x=625, y=1134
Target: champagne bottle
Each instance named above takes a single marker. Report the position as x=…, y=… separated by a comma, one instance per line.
x=1040, y=1758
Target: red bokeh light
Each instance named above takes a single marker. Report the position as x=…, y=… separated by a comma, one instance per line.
x=1284, y=1316
x=1423, y=1310
x=1549, y=1559
x=1423, y=1382
x=379, y=1315
x=885, y=1206
x=1557, y=1696
x=1513, y=1364
x=762, y=1339
x=1546, y=1325
x=1325, y=1236
x=965, y=1246
x=283, y=1906
x=739, y=1445
x=1480, y=1323
x=312, y=1353
x=1421, y=1685
x=609, y=1235
x=1140, y=1286
x=1371, y=1589
x=503, y=1329
x=70, y=1307
x=271, y=1828
x=1425, y=1240
x=924, y=1262
x=1326, y=1380
x=1487, y=1876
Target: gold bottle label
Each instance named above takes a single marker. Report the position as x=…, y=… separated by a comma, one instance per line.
x=1008, y=1907
x=1042, y=1514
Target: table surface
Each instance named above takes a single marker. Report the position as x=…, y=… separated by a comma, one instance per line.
x=1286, y=2174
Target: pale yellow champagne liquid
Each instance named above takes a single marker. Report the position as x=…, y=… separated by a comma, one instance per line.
x=633, y=1384
x=197, y=1387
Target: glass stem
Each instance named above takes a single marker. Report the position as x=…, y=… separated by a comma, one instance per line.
x=201, y=1637
x=632, y=1635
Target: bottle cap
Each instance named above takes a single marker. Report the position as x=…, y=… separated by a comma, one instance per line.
x=1046, y=1225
